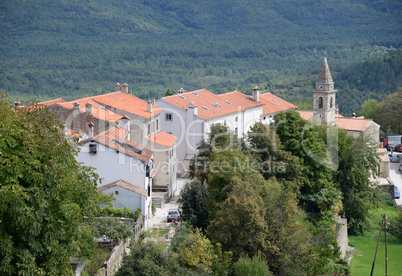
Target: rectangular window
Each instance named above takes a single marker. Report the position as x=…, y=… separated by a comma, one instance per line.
x=92, y=148
x=168, y=117
x=116, y=192
x=157, y=124
x=236, y=131
x=236, y=119
x=149, y=129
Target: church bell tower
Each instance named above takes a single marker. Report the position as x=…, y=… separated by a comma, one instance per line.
x=324, y=97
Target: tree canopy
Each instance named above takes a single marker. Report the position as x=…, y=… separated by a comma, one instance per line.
x=44, y=193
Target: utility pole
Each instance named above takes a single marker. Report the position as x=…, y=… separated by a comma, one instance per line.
x=383, y=223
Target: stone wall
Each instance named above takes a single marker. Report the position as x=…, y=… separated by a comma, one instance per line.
x=342, y=235
x=114, y=260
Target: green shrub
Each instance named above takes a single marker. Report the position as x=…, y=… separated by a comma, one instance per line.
x=253, y=267
x=137, y=214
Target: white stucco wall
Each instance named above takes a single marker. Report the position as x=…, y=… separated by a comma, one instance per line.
x=112, y=166
x=126, y=198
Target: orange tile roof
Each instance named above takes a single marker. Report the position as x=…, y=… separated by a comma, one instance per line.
x=306, y=114
x=352, y=124
x=118, y=100
x=127, y=102
x=163, y=138
x=227, y=103
x=98, y=111
x=114, y=138
x=274, y=104
x=52, y=102
x=125, y=185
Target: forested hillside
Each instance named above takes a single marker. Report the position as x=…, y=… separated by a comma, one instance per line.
x=75, y=48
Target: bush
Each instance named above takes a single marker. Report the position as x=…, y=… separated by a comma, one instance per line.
x=137, y=214
x=253, y=267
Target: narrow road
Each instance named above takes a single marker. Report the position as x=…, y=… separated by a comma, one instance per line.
x=160, y=218
x=396, y=176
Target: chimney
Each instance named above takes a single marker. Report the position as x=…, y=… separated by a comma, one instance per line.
x=88, y=108
x=256, y=94
x=193, y=107
x=149, y=106
x=337, y=111
x=125, y=88
x=353, y=115
x=77, y=107
x=117, y=87
x=91, y=130
x=181, y=91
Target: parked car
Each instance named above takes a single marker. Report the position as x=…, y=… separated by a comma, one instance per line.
x=396, y=192
x=393, y=158
x=398, y=148
x=400, y=168
x=174, y=215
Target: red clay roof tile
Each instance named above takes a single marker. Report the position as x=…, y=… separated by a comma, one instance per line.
x=125, y=185
x=226, y=103
x=274, y=104
x=163, y=138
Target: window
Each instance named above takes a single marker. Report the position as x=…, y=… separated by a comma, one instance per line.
x=149, y=129
x=236, y=131
x=92, y=148
x=331, y=103
x=236, y=119
x=116, y=192
x=157, y=124
x=320, y=102
x=149, y=191
x=168, y=117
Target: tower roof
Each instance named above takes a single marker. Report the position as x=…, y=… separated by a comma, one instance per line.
x=325, y=74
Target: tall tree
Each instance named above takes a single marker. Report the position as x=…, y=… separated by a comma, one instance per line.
x=389, y=113
x=192, y=197
x=44, y=193
x=369, y=109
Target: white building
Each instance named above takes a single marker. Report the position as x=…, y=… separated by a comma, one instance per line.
x=125, y=168
x=189, y=116
x=93, y=115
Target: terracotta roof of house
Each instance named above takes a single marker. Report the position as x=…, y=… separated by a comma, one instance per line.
x=274, y=104
x=382, y=154
x=127, y=102
x=125, y=185
x=98, y=111
x=114, y=138
x=163, y=138
x=306, y=114
x=352, y=124
x=52, y=102
x=119, y=100
x=211, y=105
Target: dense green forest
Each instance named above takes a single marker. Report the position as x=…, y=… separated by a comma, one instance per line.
x=71, y=49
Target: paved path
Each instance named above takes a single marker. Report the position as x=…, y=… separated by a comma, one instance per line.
x=396, y=176
x=160, y=218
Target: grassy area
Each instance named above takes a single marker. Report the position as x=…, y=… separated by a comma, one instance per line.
x=158, y=235
x=365, y=247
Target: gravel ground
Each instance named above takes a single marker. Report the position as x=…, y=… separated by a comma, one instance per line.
x=159, y=220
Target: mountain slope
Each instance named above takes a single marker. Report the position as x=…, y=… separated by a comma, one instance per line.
x=77, y=48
